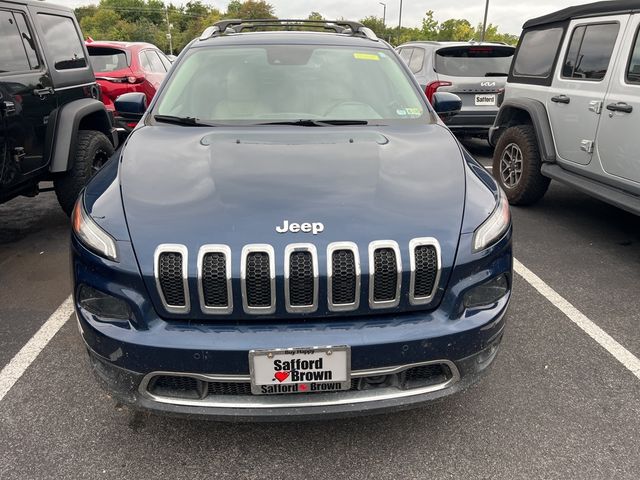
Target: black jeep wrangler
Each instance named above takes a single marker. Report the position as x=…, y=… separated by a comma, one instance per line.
x=53, y=126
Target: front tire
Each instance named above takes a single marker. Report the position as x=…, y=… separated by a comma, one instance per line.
x=92, y=152
x=516, y=166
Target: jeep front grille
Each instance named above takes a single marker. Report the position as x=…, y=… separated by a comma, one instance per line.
x=170, y=269
x=343, y=276
x=258, y=279
x=425, y=269
x=301, y=277
x=214, y=279
x=386, y=274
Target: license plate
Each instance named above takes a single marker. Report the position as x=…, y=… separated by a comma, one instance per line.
x=300, y=370
x=485, y=100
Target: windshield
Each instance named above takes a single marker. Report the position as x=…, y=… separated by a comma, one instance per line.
x=474, y=61
x=107, y=59
x=271, y=83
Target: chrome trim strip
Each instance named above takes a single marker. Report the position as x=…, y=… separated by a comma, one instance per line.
x=215, y=248
x=297, y=247
x=182, y=250
x=373, y=246
x=342, y=307
x=295, y=401
x=246, y=250
x=418, y=242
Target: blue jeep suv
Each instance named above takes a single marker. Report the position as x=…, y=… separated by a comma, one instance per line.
x=290, y=232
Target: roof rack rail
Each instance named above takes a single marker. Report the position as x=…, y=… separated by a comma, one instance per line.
x=346, y=27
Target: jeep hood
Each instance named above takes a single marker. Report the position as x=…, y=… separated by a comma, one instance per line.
x=234, y=186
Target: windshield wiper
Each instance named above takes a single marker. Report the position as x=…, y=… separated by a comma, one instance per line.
x=191, y=121
x=316, y=123
x=496, y=74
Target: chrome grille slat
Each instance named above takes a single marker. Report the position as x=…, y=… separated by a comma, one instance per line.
x=426, y=267
x=257, y=279
x=170, y=267
x=301, y=278
x=343, y=278
x=214, y=279
x=385, y=274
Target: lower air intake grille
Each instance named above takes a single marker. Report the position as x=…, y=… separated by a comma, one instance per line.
x=343, y=277
x=171, y=279
x=301, y=279
x=258, y=279
x=385, y=281
x=175, y=386
x=426, y=270
x=214, y=280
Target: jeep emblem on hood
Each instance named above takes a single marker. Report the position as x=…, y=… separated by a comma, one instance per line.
x=292, y=227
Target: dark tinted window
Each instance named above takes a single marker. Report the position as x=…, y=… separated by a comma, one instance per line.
x=107, y=59
x=417, y=59
x=154, y=62
x=62, y=41
x=27, y=41
x=474, y=61
x=633, y=72
x=537, y=52
x=13, y=57
x=590, y=51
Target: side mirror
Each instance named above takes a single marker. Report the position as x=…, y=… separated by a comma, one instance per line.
x=131, y=105
x=446, y=104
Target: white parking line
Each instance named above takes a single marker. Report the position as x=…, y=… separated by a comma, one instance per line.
x=624, y=356
x=12, y=372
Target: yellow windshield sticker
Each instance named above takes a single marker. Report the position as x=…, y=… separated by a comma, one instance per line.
x=366, y=56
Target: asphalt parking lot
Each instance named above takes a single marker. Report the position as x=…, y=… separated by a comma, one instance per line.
x=556, y=404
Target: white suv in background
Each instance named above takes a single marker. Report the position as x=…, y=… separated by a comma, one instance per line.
x=571, y=109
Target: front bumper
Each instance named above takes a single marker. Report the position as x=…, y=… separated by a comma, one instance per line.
x=472, y=122
x=130, y=388
x=124, y=355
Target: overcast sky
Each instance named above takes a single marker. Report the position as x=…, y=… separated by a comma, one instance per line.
x=508, y=14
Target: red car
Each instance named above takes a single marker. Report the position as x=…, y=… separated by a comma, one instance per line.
x=124, y=67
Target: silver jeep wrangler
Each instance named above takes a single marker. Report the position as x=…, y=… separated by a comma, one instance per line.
x=571, y=108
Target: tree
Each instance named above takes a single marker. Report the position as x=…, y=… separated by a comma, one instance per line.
x=492, y=35
x=376, y=24
x=456, y=30
x=250, y=9
x=429, y=30
x=315, y=16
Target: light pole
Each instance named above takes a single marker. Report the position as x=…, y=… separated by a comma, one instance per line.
x=400, y=21
x=484, y=23
x=384, y=13
x=166, y=15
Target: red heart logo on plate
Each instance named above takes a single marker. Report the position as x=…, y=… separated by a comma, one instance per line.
x=281, y=376
x=302, y=387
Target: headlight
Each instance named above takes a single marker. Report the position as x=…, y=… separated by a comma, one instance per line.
x=91, y=235
x=494, y=227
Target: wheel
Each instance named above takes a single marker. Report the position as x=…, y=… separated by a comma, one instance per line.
x=92, y=152
x=516, y=166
